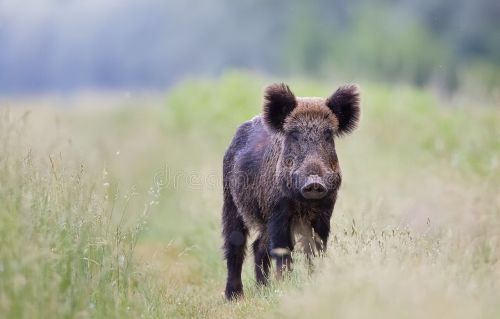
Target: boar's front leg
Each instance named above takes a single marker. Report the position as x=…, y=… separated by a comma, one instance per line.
x=262, y=259
x=281, y=244
x=321, y=227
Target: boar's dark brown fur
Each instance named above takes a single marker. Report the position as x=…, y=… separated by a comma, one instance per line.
x=281, y=177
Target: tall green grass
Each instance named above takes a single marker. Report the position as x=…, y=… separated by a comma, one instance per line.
x=111, y=208
x=67, y=241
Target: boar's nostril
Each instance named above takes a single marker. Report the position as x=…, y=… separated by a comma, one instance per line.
x=313, y=190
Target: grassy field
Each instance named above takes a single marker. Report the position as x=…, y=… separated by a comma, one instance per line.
x=110, y=207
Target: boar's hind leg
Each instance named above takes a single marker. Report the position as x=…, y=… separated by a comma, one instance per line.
x=262, y=259
x=235, y=239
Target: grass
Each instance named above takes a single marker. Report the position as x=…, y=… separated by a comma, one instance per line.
x=110, y=207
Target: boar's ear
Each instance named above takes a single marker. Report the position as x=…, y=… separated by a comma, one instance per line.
x=279, y=101
x=344, y=103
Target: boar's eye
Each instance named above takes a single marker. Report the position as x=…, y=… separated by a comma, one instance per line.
x=328, y=135
x=294, y=135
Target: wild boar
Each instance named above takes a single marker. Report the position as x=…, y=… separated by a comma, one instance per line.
x=281, y=176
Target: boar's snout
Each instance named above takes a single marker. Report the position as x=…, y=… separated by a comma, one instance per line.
x=314, y=188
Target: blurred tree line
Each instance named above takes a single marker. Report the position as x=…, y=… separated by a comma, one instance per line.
x=68, y=44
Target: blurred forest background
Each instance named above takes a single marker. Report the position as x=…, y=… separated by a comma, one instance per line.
x=70, y=45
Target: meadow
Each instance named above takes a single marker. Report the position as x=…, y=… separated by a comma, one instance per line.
x=110, y=207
